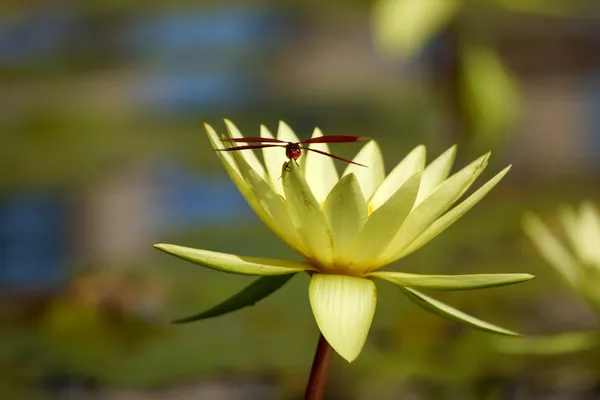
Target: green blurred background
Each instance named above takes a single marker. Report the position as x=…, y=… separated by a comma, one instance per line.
x=103, y=154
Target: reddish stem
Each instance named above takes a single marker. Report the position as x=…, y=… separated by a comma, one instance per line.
x=315, y=389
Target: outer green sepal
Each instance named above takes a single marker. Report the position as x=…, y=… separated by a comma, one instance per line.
x=249, y=296
x=234, y=264
x=452, y=282
x=443, y=310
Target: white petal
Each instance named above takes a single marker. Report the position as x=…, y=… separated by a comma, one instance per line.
x=346, y=211
x=411, y=164
x=384, y=223
x=343, y=307
x=430, y=209
x=552, y=249
x=308, y=217
x=453, y=215
x=249, y=155
x=274, y=158
x=369, y=177
x=319, y=170
x=436, y=173
x=272, y=204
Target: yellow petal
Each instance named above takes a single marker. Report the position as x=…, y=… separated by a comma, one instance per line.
x=346, y=211
x=248, y=155
x=232, y=263
x=319, y=170
x=272, y=204
x=411, y=164
x=308, y=217
x=384, y=223
x=233, y=171
x=274, y=158
x=343, y=307
x=371, y=176
x=430, y=209
x=436, y=173
x=453, y=215
x=225, y=157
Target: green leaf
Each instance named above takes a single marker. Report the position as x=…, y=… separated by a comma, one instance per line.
x=234, y=264
x=403, y=27
x=452, y=282
x=445, y=311
x=491, y=95
x=249, y=296
x=565, y=343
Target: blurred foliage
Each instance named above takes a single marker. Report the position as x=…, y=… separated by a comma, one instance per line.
x=577, y=262
x=404, y=26
x=490, y=95
x=474, y=72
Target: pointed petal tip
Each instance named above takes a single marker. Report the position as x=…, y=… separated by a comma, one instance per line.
x=229, y=124
x=452, y=150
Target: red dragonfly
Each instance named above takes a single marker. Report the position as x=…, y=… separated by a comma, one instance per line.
x=293, y=150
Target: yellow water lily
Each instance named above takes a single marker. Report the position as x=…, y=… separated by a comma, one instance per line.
x=577, y=260
x=346, y=229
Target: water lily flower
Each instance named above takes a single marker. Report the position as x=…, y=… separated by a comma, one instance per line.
x=346, y=229
x=578, y=260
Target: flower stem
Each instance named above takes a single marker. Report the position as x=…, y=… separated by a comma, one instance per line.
x=315, y=389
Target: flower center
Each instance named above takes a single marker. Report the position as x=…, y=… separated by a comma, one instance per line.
x=370, y=209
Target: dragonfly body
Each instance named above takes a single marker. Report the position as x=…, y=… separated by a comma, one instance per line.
x=293, y=150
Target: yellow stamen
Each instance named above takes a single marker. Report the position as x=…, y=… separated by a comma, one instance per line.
x=370, y=209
